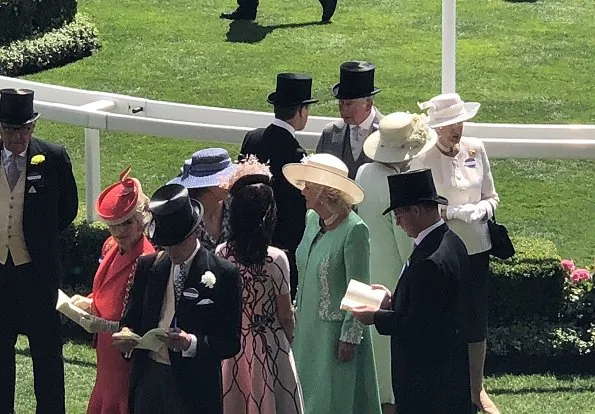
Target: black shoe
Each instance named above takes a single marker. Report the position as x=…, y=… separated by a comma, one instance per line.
x=328, y=9
x=238, y=15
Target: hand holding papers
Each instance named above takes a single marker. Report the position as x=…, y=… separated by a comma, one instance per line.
x=360, y=294
x=81, y=302
x=149, y=341
x=65, y=306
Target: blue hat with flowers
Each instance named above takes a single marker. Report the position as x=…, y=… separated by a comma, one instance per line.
x=206, y=168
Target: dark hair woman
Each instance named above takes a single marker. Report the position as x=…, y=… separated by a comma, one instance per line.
x=262, y=377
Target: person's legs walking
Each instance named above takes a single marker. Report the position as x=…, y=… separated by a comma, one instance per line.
x=246, y=10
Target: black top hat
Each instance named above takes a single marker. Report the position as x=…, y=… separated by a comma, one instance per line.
x=411, y=188
x=175, y=215
x=293, y=89
x=356, y=81
x=16, y=106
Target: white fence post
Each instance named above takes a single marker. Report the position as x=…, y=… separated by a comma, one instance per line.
x=449, y=42
x=92, y=154
x=92, y=172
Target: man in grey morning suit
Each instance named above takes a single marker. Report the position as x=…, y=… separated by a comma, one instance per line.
x=345, y=138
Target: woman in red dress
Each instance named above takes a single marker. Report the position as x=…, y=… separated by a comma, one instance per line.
x=123, y=207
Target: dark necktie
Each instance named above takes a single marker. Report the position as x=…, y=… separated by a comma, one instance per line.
x=179, y=281
x=12, y=173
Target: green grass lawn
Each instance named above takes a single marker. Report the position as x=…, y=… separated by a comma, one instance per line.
x=526, y=62
x=518, y=394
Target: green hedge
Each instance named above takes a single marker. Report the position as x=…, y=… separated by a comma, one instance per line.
x=71, y=42
x=81, y=248
x=529, y=286
x=539, y=347
x=22, y=18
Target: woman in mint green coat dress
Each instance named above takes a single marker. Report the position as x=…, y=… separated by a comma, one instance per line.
x=333, y=351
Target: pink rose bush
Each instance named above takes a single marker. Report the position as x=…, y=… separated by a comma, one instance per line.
x=568, y=265
x=573, y=274
x=580, y=275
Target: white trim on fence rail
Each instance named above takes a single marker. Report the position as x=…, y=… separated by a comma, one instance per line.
x=95, y=111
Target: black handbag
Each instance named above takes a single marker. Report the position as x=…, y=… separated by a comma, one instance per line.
x=502, y=246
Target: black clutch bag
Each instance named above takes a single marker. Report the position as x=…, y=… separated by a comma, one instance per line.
x=502, y=246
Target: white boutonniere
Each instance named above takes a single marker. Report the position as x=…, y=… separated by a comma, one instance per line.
x=208, y=279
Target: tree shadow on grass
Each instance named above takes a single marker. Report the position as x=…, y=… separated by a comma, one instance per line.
x=246, y=31
x=74, y=361
x=521, y=1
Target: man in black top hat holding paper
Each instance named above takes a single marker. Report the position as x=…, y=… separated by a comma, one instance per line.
x=345, y=138
x=195, y=297
x=429, y=316
x=38, y=199
x=277, y=145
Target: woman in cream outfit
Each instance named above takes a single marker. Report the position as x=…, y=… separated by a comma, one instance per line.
x=462, y=174
x=400, y=138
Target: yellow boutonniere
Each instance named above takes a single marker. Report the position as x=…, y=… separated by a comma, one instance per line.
x=37, y=159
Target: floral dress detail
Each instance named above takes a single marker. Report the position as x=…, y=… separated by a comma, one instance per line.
x=326, y=262
x=262, y=378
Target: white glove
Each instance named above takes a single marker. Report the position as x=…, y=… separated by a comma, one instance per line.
x=480, y=213
x=94, y=324
x=81, y=302
x=468, y=213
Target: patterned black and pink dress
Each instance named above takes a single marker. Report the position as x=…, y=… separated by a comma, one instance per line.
x=262, y=378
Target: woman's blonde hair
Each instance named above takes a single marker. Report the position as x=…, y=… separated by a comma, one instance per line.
x=336, y=201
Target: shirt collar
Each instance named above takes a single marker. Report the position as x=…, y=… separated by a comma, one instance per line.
x=188, y=261
x=6, y=153
x=367, y=123
x=427, y=231
x=284, y=125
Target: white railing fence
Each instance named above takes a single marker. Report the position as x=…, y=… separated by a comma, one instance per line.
x=99, y=111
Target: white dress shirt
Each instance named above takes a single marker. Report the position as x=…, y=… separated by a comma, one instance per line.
x=357, y=139
x=21, y=160
x=175, y=271
x=284, y=125
x=422, y=234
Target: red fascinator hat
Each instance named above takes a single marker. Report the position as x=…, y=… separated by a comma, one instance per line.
x=121, y=200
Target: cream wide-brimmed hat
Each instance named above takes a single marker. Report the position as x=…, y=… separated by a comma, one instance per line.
x=327, y=170
x=448, y=109
x=401, y=136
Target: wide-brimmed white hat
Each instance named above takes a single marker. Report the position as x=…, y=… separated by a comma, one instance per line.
x=448, y=109
x=401, y=136
x=324, y=169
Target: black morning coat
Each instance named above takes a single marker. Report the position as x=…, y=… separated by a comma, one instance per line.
x=198, y=378
x=430, y=324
